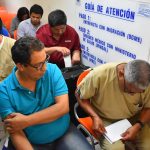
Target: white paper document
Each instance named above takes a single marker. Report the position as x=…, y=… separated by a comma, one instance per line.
x=115, y=130
x=67, y=60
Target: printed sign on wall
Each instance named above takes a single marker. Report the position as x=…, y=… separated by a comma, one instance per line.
x=113, y=30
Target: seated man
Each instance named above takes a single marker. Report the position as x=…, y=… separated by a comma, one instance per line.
x=118, y=91
x=34, y=102
x=6, y=66
x=22, y=14
x=58, y=36
x=6, y=62
x=30, y=26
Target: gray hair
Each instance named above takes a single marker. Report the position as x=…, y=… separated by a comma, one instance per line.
x=137, y=72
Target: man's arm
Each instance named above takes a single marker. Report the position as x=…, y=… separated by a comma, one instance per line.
x=13, y=27
x=145, y=115
x=20, y=141
x=20, y=31
x=65, y=51
x=19, y=121
x=98, y=125
x=131, y=133
x=51, y=113
x=76, y=57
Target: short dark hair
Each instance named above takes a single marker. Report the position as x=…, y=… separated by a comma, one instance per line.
x=56, y=18
x=23, y=48
x=37, y=9
x=21, y=12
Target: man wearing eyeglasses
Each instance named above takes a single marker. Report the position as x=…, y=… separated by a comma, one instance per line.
x=34, y=102
x=116, y=91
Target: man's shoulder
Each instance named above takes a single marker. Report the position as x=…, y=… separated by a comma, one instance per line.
x=52, y=72
x=44, y=27
x=52, y=67
x=105, y=72
x=110, y=65
x=15, y=19
x=70, y=28
x=7, y=43
x=4, y=84
x=24, y=22
x=71, y=32
x=8, y=39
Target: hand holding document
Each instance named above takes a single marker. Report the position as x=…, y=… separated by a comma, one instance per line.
x=67, y=60
x=115, y=130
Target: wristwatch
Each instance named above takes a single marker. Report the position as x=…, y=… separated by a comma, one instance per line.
x=140, y=123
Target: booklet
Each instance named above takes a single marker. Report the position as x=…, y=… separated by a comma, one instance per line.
x=115, y=130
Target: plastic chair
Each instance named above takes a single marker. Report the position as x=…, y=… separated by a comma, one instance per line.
x=7, y=19
x=85, y=123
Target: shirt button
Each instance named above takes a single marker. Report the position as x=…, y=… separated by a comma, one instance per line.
x=29, y=92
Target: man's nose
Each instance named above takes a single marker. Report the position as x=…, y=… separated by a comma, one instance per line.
x=60, y=31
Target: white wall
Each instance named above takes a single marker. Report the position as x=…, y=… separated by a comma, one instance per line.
x=48, y=5
x=69, y=6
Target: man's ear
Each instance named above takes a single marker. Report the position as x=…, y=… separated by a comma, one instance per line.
x=20, y=66
x=121, y=73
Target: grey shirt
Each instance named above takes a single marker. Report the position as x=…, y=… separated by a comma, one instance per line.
x=26, y=28
x=14, y=25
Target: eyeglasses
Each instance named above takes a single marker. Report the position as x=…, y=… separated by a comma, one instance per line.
x=40, y=65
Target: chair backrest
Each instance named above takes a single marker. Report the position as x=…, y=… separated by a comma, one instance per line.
x=7, y=19
x=82, y=75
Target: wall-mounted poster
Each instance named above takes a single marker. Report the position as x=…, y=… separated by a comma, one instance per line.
x=113, y=30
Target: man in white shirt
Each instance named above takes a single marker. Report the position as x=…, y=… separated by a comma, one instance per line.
x=30, y=26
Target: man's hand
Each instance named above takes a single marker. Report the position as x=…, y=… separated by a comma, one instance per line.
x=65, y=51
x=98, y=126
x=16, y=122
x=130, y=134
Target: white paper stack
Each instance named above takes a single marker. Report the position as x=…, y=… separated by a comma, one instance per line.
x=67, y=60
x=115, y=130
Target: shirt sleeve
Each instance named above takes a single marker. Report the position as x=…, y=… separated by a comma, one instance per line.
x=40, y=35
x=5, y=32
x=20, y=31
x=5, y=104
x=13, y=27
x=88, y=86
x=59, y=84
x=76, y=45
